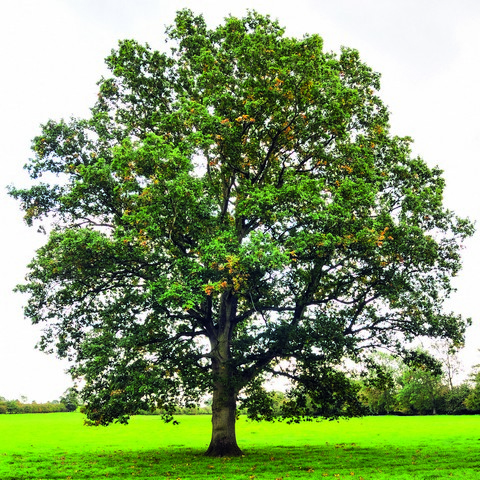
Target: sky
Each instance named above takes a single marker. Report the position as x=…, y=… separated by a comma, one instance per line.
x=52, y=51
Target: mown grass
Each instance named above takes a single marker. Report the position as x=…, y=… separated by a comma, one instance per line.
x=58, y=446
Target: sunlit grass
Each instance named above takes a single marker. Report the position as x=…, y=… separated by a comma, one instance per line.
x=58, y=446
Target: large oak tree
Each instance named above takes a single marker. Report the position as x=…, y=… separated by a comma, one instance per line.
x=232, y=209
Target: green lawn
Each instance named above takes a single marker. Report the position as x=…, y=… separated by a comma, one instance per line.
x=58, y=446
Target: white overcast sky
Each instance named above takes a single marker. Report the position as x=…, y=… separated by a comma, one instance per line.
x=52, y=52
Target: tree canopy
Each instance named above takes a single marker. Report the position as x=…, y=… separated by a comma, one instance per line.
x=234, y=208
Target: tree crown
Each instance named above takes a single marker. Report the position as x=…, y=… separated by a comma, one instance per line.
x=236, y=203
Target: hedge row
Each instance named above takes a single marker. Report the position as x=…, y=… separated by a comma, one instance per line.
x=15, y=407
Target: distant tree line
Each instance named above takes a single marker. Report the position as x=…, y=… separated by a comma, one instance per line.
x=419, y=389
x=388, y=387
x=16, y=406
x=411, y=391
x=68, y=402
x=423, y=385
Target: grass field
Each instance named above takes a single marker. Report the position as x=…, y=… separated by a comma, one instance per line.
x=58, y=446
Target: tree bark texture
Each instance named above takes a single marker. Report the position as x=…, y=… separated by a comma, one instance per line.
x=224, y=404
x=224, y=440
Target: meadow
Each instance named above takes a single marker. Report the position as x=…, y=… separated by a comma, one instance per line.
x=59, y=446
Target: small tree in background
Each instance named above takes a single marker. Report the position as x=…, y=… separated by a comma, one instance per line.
x=235, y=208
x=380, y=383
x=421, y=391
x=472, y=402
x=456, y=399
x=70, y=399
x=447, y=354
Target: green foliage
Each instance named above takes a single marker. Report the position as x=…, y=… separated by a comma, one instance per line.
x=420, y=392
x=233, y=204
x=16, y=407
x=70, y=399
x=455, y=399
x=472, y=402
x=378, y=383
x=392, y=386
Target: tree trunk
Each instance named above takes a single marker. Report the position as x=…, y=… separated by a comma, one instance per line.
x=224, y=440
x=224, y=405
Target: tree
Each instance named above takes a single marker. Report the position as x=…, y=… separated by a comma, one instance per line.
x=447, y=354
x=229, y=208
x=456, y=397
x=422, y=391
x=380, y=381
x=472, y=401
x=70, y=399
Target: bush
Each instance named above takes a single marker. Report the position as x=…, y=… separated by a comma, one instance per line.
x=14, y=406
